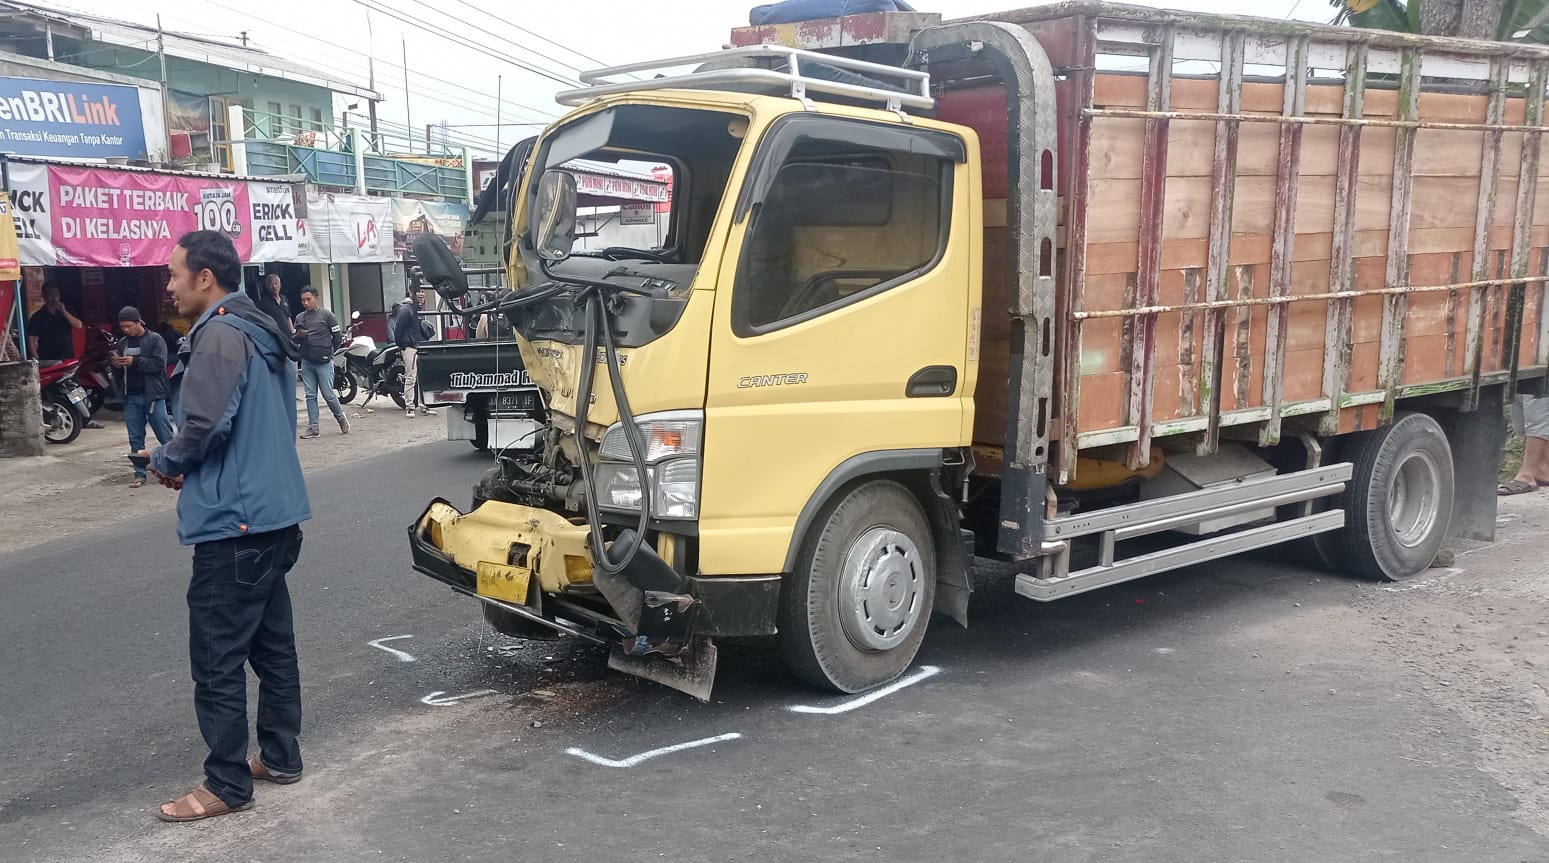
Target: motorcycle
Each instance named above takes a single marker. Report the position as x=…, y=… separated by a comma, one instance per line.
x=360, y=365
x=64, y=402
x=104, y=389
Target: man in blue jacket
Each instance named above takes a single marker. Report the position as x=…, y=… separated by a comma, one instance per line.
x=241, y=503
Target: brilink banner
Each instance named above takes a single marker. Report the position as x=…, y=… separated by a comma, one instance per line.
x=70, y=119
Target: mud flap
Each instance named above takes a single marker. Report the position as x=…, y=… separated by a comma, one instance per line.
x=691, y=672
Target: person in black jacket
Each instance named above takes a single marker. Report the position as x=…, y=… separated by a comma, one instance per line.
x=408, y=331
x=143, y=357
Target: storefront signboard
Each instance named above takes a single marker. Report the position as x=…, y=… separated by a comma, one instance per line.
x=346, y=229
x=412, y=217
x=71, y=119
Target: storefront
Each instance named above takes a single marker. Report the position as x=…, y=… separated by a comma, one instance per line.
x=103, y=234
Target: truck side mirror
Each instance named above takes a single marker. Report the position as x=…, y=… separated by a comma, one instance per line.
x=554, y=215
x=439, y=265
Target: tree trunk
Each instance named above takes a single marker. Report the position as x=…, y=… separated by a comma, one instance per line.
x=1464, y=19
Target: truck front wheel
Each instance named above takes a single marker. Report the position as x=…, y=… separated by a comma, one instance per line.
x=856, y=609
x=1398, y=505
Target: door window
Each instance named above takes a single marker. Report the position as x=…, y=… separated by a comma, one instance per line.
x=838, y=223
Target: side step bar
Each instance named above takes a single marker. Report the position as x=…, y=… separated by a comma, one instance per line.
x=1140, y=519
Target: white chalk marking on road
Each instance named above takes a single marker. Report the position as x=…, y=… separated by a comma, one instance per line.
x=434, y=699
x=402, y=657
x=922, y=673
x=632, y=760
x=1441, y=575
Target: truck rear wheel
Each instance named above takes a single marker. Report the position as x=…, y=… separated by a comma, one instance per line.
x=856, y=609
x=1398, y=505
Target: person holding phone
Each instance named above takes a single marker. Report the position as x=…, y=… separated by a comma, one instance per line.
x=143, y=357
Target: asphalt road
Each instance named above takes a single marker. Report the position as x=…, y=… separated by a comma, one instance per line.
x=1249, y=710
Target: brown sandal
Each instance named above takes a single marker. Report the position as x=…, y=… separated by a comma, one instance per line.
x=197, y=805
x=261, y=771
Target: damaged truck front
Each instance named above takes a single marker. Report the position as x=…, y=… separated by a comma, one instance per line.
x=1164, y=318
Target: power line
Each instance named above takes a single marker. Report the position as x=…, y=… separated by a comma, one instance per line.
x=390, y=64
x=528, y=109
x=463, y=42
x=513, y=24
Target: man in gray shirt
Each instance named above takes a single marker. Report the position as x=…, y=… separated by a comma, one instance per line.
x=318, y=335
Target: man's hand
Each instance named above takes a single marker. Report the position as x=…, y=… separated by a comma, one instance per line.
x=173, y=482
x=123, y=361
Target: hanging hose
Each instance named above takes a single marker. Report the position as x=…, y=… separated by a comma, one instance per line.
x=597, y=318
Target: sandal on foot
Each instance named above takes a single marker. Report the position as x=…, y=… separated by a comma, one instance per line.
x=197, y=805
x=261, y=771
x=1515, y=486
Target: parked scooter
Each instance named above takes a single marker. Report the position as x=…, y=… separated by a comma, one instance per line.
x=361, y=366
x=104, y=388
x=64, y=402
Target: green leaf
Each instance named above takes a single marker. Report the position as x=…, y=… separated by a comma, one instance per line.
x=1382, y=15
x=1531, y=16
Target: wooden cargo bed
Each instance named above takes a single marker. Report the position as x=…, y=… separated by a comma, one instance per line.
x=1334, y=221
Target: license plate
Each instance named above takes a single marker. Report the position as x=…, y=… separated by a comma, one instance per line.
x=77, y=395
x=514, y=402
x=502, y=581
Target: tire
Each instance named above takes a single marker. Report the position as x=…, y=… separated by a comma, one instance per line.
x=61, y=423
x=1398, y=504
x=344, y=385
x=516, y=626
x=394, y=385
x=481, y=434
x=868, y=643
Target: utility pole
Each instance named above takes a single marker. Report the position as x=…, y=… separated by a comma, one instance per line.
x=428, y=127
x=166, y=115
x=498, y=154
x=408, y=119
x=371, y=77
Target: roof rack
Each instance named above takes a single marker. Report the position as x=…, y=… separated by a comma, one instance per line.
x=913, y=92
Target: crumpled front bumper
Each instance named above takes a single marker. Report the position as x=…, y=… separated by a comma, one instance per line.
x=650, y=609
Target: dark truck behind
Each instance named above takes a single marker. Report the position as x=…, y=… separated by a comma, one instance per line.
x=489, y=399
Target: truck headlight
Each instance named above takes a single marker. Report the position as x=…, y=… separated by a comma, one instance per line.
x=672, y=466
x=667, y=435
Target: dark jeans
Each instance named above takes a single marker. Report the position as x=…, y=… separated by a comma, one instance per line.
x=239, y=611
x=137, y=410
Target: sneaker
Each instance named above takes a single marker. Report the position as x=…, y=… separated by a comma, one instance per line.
x=344, y=424
x=409, y=413
x=310, y=433
x=427, y=411
x=137, y=482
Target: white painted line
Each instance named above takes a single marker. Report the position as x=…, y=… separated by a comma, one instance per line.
x=1441, y=576
x=435, y=699
x=922, y=673
x=632, y=760
x=402, y=657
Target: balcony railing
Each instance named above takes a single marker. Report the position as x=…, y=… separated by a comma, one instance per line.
x=347, y=159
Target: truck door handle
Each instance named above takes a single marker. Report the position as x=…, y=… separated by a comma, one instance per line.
x=932, y=382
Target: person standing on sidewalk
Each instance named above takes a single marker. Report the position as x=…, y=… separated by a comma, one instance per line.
x=241, y=503
x=409, y=331
x=143, y=357
x=318, y=336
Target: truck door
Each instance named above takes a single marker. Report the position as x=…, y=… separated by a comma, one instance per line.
x=846, y=331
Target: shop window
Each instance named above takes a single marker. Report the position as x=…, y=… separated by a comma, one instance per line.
x=275, y=121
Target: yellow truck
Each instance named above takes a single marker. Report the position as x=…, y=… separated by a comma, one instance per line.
x=1102, y=290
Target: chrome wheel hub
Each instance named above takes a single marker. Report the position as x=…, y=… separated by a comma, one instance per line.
x=881, y=589
x=1414, y=499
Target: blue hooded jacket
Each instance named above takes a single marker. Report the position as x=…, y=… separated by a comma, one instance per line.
x=236, y=441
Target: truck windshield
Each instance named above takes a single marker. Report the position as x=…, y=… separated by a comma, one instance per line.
x=649, y=181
